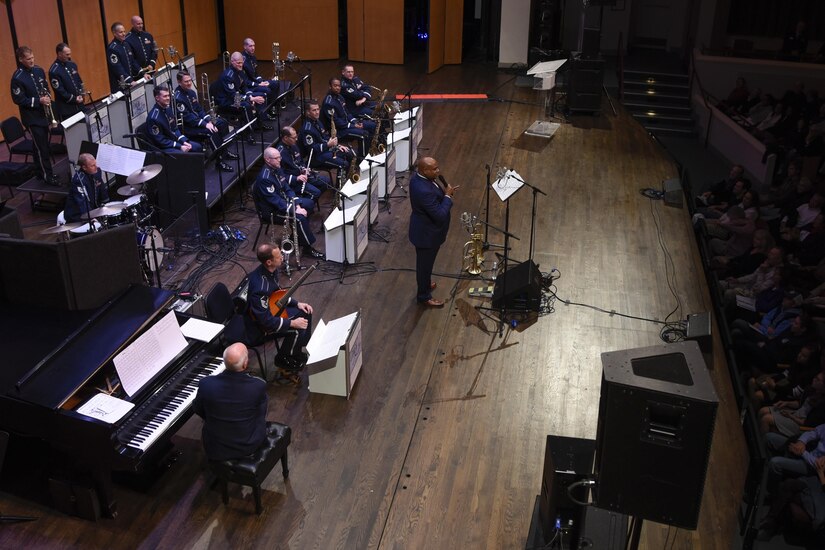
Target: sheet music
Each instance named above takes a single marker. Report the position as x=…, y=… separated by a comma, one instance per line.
x=106, y=408
x=149, y=354
x=200, y=329
x=507, y=184
x=119, y=160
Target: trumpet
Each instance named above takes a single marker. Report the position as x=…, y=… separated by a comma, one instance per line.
x=276, y=60
x=43, y=91
x=206, y=95
x=473, y=256
x=226, y=58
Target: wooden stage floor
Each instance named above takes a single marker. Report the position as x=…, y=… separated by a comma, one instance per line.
x=441, y=444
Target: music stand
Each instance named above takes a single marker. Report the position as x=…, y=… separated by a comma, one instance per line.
x=345, y=263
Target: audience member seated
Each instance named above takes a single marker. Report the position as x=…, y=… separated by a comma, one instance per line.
x=745, y=263
x=789, y=382
x=799, y=501
x=738, y=97
x=785, y=419
x=761, y=110
x=760, y=279
x=732, y=233
x=720, y=191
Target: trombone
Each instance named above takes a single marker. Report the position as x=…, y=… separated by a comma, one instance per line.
x=206, y=95
x=226, y=58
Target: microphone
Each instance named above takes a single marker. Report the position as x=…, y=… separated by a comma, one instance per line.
x=290, y=57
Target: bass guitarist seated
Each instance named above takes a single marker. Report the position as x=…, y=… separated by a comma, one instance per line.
x=293, y=324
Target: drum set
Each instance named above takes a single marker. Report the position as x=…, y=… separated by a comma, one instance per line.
x=135, y=210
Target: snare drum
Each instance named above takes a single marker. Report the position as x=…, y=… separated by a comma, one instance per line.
x=84, y=229
x=139, y=209
x=145, y=238
x=114, y=220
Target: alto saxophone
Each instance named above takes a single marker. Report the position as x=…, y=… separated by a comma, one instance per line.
x=354, y=174
x=333, y=134
x=474, y=248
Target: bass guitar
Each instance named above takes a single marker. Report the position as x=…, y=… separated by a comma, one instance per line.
x=280, y=298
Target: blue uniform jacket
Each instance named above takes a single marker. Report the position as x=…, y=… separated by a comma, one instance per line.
x=122, y=63
x=26, y=86
x=66, y=83
x=233, y=408
x=143, y=47
x=162, y=129
x=86, y=192
x=262, y=284
x=190, y=108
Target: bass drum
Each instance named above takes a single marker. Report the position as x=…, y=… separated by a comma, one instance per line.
x=139, y=209
x=150, y=248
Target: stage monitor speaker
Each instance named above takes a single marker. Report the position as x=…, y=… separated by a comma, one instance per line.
x=672, y=189
x=585, y=87
x=591, y=46
x=566, y=460
x=656, y=419
x=519, y=288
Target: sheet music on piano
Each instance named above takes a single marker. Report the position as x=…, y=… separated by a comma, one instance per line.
x=149, y=353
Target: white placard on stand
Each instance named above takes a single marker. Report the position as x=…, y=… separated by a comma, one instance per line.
x=400, y=141
x=335, y=355
x=355, y=230
x=124, y=119
x=76, y=132
x=389, y=179
x=377, y=165
x=404, y=119
x=361, y=197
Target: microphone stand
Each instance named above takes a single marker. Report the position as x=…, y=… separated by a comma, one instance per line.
x=345, y=263
x=536, y=191
x=372, y=233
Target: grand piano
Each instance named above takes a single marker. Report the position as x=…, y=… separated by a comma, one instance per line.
x=42, y=389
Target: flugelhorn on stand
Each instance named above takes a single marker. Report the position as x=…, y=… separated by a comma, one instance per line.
x=473, y=257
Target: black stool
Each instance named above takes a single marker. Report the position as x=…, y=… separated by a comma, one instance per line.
x=252, y=470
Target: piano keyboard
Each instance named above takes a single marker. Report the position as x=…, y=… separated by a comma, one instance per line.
x=167, y=405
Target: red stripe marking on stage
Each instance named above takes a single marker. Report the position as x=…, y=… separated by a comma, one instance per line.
x=445, y=97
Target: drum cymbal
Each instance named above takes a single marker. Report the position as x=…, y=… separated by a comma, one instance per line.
x=130, y=190
x=144, y=174
x=107, y=210
x=60, y=228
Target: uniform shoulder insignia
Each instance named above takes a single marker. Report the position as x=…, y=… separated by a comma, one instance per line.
x=308, y=139
x=113, y=58
x=55, y=83
x=231, y=86
x=155, y=129
x=181, y=107
x=16, y=90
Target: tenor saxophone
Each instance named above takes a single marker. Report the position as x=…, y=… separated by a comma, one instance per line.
x=354, y=174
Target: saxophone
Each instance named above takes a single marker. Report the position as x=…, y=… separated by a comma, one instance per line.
x=354, y=174
x=375, y=147
x=333, y=134
x=289, y=239
x=474, y=248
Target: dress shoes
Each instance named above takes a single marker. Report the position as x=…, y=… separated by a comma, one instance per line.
x=230, y=156
x=432, y=302
x=309, y=251
x=52, y=180
x=223, y=167
x=288, y=363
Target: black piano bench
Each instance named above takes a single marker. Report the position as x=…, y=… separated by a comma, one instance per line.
x=254, y=469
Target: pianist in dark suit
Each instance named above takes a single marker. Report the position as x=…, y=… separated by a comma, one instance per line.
x=295, y=328
x=233, y=407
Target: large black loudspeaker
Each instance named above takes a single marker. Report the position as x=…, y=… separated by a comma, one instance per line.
x=656, y=418
x=585, y=88
x=519, y=287
x=566, y=461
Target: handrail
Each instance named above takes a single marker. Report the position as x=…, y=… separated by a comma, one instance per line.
x=693, y=74
x=620, y=66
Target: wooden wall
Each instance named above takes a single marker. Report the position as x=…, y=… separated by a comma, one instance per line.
x=453, y=31
x=307, y=27
x=375, y=31
x=435, y=43
x=37, y=25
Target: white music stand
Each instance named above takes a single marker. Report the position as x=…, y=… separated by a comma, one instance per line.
x=405, y=119
x=357, y=192
x=335, y=355
x=546, y=71
x=76, y=132
x=355, y=230
x=400, y=141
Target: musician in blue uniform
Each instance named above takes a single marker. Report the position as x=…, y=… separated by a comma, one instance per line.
x=335, y=110
x=86, y=191
x=315, y=138
x=276, y=200
x=162, y=128
x=68, y=89
x=233, y=407
x=296, y=328
x=272, y=88
x=235, y=88
x=30, y=92
x=124, y=70
x=357, y=93
x=199, y=123
x=143, y=45
x=307, y=182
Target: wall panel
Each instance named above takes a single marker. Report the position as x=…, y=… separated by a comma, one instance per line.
x=307, y=27
x=384, y=31
x=8, y=64
x=435, y=44
x=84, y=31
x=162, y=19
x=453, y=32
x=355, y=30
x=202, y=29
x=118, y=10
x=38, y=26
